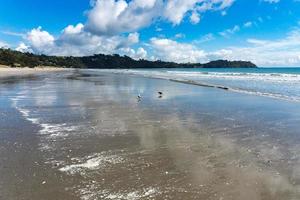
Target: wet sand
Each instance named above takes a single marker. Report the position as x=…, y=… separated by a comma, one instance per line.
x=75, y=135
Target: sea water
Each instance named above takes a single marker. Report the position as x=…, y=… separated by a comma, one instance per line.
x=282, y=83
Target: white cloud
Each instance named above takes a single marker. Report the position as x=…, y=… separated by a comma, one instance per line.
x=109, y=17
x=73, y=29
x=180, y=35
x=280, y=52
x=22, y=47
x=3, y=45
x=112, y=24
x=75, y=35
x=228, y=32
x=248, y=24
x=205, y=38
x=176, y=10
x=171, y=50
x=195, y=18
x=11, y=33
x=214, y=5
x=75, y=41
x=140, y=53
x=40, y=39
x=133, y=38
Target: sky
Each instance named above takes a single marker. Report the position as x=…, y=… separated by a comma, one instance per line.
x=266, y=32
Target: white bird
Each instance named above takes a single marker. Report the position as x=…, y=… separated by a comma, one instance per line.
x=139, y=97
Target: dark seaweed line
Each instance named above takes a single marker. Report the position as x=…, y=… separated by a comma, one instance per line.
x=200, y=84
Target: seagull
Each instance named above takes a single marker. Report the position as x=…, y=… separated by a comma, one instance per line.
x=139, y=97
x=160, y=94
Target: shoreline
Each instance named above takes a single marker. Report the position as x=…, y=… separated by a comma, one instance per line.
x=8, y=73
x=205, y=84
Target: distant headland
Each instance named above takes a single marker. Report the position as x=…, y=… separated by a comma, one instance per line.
x=13, y=58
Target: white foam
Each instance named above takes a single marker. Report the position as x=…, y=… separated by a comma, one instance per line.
x=33, y=120
x=92, y=192
x=24, y=112
x=275, y=77
x=149, y=192
x=50, y=132
x=93, y=162
x=48, y=129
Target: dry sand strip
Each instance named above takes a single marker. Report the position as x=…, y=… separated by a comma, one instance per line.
x=8, y=72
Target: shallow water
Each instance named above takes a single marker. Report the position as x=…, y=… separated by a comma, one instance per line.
x=79, y=136
x=280, y=83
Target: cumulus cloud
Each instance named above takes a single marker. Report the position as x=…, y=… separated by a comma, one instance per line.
x=141, y=53
x=111, y=27
x=75, y=41
x=133, y=38
x=110, y=17
x=138, y=54
x=176, y=10
x=171, y=50
x=22, y=47
x=40, y=39
x=69, y=30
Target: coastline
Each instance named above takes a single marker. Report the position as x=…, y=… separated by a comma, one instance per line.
x=9, y=73
x=102, y=61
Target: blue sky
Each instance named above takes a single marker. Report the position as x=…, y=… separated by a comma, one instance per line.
x=266, y=32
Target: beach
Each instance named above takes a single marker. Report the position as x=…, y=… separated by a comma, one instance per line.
x=85, y=134
x=8, y=72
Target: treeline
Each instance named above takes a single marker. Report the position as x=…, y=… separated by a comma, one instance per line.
x=13, y=58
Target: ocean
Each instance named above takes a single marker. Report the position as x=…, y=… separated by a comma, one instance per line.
x=281, y=83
